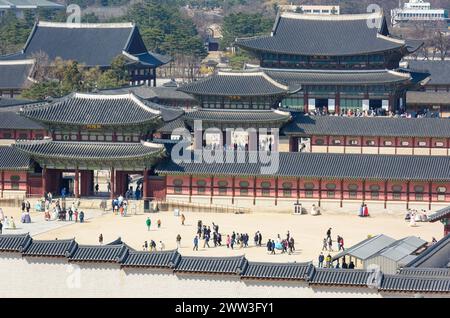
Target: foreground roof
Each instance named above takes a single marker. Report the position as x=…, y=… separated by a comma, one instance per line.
x=29, y=4
x=428, y=98
x=88, y=150
x=322, y=165
x=367, y=248
x=425, y=272
x=120, y=253
x=305, y=34
x=13, y=159
x=97, y=109
x=12, y=120
x=16, y=74
x=152, y=93
x=244, y=117
x=435, y=256
x=439, y=70
x=92, y=44
x=402, y=250
x=439, y=214
x=368, y=126
x=236, y=84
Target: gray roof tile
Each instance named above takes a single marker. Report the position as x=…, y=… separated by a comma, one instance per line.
x=212, y=265
x=13, y=159
x=237, y=115
x=12, y=120
x=367, y=248
x=15, y=76
x=88, y=150
x=368, y=126
x=439, y=215
x=439, y=70
x=164, y=259
x=99, y=253
x=330, y=276
x=323, y=165
x=435, y=256
x=51, y=248
x=14, y=242
x=235, y=84
x=324, y=35
x=426, y=272
x=414, y=284
x=282, y=271
x=427, y=98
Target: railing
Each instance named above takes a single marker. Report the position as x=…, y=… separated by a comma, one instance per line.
x=184, y=206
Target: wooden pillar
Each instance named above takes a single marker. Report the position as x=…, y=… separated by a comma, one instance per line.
x=328, y=143
x=342, y=193
x=276, y=191
x=320, y=191
x=212, y=190
x=145, y=183
x=430, y=194
x=112, y=181
x=233, y=189
x=364, y=190
x=254, y=190
x=305, y=101
x=44, y=180
x=190, y=188
x=3, y=182
x=385, y=193
x=77, y=183
x=298, y=190
x=407, y=194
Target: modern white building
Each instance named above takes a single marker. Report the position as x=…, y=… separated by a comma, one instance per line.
x=19, y=5
x=417, y=10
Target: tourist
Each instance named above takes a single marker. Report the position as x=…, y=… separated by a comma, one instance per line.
x=149, y=223
x=351, y=265
x=328, y=261
x=344, y=264
x=161, y=246
x=366, y=210
x=269, y=246
x=23, y=206
x=145, y=246
x=433, y=241
x=12, y=224
x=291, y=245
x=195, y=243
x=259, y=239
x=108, y=186
x=183, y=218
x=256, y=238
x=329, y=233
x=219, y=239
x=321, y=258
x=100, y=239
x=206, y=240
x=159, y=223
x=76, y=215
x=178, y=241
x=1, y=227
x=330, y=244
x=70, y=214
x=272, y=248
x=81, y=217
x=96, y=188
x=324, y=244
x=228, y=241
x=215, y=227
x=27, y=206
x=361, y=211
x=2, y=215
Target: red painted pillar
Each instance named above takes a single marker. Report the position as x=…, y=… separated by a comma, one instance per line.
x=145, y=183
x=76, y=189
x=3, y=182
x=44, y=181
x=112, y=182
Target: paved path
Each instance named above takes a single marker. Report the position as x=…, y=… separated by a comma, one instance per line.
x=39, y=225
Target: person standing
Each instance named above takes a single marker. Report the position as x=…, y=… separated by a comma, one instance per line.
x=259, y=239
x=228, y=241
x=351, y=265
x=76, y=215
x=145, y=246
x=183, y=218
x=329, y=233
x=195, y=243
x=161, y=246
x=100, y=239
x=81, y=217
x=148, y=222
x=269, y=246
x=159, y=223
x=324, y=244
x=330, y=244
x=178, y=241
x=366, y=210
x=70, y=214
x=1, y=227
x=28, y=206
x=321, y=258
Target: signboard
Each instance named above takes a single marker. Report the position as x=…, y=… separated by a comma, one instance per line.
x=93, y=126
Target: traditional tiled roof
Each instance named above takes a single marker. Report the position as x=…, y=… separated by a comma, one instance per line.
x=90, y=109
x=88, y=150
x=322, y=165
x=237, y=115
x=96, y=253
x=13, y=104
x=212, y=265
x=336, y=77
x=15, y=74
x=435, y=256
x=368, y=126
x=304, y=34
x=29, y=4
x=349, y=277
x=14, y=242
x=91, y=44
x=236, y=84
x=152, y=93
x=402, y=249
x=170, y=126
x=51, y=248
x=281, y=271
x=12, y=120
x=13, y=159
x=425, y=272
x=427, y=98
x=439, y=214
x=439, y=70
x=164, y=259
x=414, y=284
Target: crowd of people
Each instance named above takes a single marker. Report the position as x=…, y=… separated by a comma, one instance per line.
x=5, y=222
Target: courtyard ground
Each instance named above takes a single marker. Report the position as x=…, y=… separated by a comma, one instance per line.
x=308, y=231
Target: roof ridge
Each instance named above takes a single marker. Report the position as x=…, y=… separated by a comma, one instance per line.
x=85, y=25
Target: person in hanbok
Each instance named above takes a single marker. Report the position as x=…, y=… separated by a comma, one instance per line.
x=366, y=210
x=361, y=211
x=6, y=223
x=2, y=215
x=412, y=221
x=12, y=225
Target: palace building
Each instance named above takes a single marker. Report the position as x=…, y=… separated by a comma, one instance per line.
x=92, y=45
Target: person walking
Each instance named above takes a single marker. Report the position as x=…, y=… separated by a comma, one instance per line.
x=321, y=258
x=228, y=241
x=330, y=244
x=1, y=227
x=148, y=222
x=100, y=239
x=269, y=246
x=81, y=217
x=324, y=244
x=195, y=243
x=329, y=233
x=145, y=246
x=183, y=218
x=178, y=241
x=76, y=215
x=70, y=214
x=206, y=241
x=161, y=246
x=259, y=239
x=159, y=223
